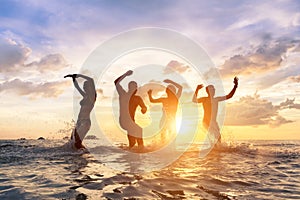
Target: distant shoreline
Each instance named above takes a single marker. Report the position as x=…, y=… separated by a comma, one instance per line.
x=100, y=139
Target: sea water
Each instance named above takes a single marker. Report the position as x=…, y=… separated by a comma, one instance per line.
x=41, y=169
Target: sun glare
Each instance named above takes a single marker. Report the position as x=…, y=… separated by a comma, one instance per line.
x=178, y=123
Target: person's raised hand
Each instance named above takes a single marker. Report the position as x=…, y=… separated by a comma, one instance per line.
x=69, y=75
x=168, y=81
x=200, y=86
x=144, y=110
x=149, y=92
x=129, y=72
x=236, y=80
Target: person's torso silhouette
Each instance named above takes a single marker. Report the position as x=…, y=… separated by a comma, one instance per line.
x=134, y=102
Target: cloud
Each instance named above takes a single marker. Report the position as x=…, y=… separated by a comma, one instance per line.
x=295, y=79
x=12, y=55
x=34, y=90
x=296, y=20
x=275, y=77
x=265, y=57
x=100, y=94
x=50, y=62
x=155, y=81
x=289, y=103
x=277, y=121
x=254, y=111
x=175, y=66
x=45, y=21
x=100, y=91
x=211, y=73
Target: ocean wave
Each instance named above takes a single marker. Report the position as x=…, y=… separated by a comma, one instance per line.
x=34, y=169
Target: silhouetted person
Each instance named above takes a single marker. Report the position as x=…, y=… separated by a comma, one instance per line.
x=83, y=123
x=129, y=102
x=210, y=107
x=170, y=104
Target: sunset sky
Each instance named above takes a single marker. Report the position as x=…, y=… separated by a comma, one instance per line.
x=41, y=41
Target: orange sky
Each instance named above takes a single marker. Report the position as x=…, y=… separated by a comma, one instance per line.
x=38, y=47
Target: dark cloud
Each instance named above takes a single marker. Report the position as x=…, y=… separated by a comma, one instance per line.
x=277, y=121
x=12, y=55
x=254, y=111
x=295, y=78
x=51, y=62
x=175, y=66
x=100, y=94
x=100, y=91
x=275, y=77
x=265, y=57
x=289, y=103
x=33, y=89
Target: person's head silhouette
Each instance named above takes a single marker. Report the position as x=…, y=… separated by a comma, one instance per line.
x=210, y=89
x=132, y=87
x=170, y=90
x=86, y=86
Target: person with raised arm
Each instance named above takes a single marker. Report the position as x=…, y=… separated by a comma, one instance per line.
x=170, y=104
x=129, y=102
x=87, y=103
x=210, y=107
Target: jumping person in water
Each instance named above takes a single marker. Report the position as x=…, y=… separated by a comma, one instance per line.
x=87, y=103
x=170, y=104
x=210, y=107
x=129, y=102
